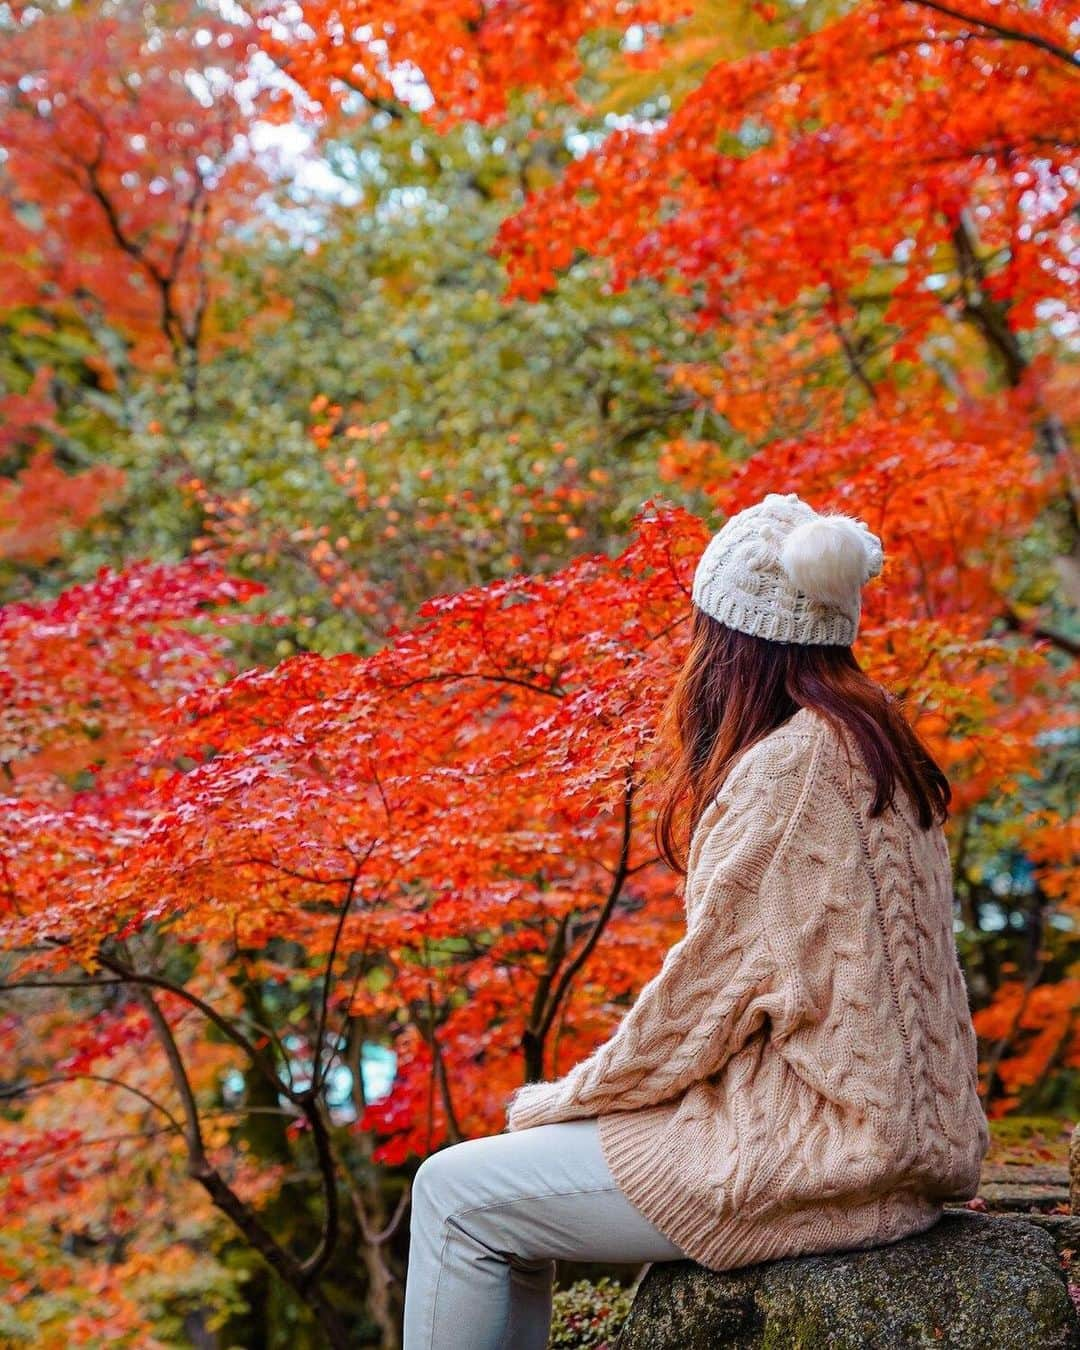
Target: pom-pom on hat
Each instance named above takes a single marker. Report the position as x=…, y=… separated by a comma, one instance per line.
x=780, y=570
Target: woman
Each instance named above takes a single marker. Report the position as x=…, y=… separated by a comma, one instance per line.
x=801, y=1074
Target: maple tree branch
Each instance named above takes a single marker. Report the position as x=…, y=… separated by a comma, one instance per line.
x=1060, y=640
x=246, y=1110
x=642, y=866
x=380, y=102
x=187, y=229
x=200, y=1169
x=182, y=339
x=80, y=1144
x=193, y=1137
x=393, y=108
x=327, y=882
x=453, y=1128
x=186, y=349
x=341, y=1041
x=99, y=194
x=21, y=1089
x=430, y=1106
x=1006, y=1039
x=990, y=319
x=1001, y=31
x=381, y=1276
x=241, y=956
x=193, y=1129
x=317, y=1072
x=964, y=890
x=532, y=1039
x=384, y=1234
x=60, y=984
x=556, y=1040
x=986, y=315
x=851, y=353
x=539, y=1030
x=331, y=1226
x=445, y=676
x=202, y=302
x=646, y=422
x=164, y=283
x=606, y=911
x=229, y=1028
x=438, y=1067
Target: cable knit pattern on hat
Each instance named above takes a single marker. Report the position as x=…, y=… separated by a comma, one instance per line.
x=783, y=571
x=801, y=1074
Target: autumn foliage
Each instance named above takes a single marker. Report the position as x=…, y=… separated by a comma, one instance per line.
x=220, y=884
x=122, y=136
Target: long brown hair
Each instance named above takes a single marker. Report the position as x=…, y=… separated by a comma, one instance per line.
x=735, y=688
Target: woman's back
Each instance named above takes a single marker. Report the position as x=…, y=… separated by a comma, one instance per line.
x=894, y=1015
x=812, y=1027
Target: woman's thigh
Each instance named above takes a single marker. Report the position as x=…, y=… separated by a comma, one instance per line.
x=535, y=1194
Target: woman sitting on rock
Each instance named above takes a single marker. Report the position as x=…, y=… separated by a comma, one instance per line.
x=801, y=1074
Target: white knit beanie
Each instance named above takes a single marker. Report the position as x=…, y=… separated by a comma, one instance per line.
x=781, y=570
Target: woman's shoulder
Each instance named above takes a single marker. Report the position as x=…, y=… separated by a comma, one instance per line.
x=769, y=783
x=839, y=787
x=767, y=767
x=778, y=764
x=788, y=748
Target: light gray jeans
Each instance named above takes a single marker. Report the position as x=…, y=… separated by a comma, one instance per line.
x=488, y=1218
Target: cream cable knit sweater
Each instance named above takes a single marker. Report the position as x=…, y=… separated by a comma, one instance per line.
x=801, y=1074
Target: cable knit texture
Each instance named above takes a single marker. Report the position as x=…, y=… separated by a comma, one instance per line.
x=801, y=1074
x=783, y=571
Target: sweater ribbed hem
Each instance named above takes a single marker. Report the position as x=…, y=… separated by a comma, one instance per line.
x=653, y=1177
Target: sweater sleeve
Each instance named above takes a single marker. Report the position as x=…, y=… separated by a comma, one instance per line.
x=716, y=985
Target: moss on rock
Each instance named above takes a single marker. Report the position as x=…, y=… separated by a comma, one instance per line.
x=972, y=1282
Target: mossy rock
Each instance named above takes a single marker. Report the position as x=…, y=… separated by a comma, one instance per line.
x=972, y=1282
x=588, y=1315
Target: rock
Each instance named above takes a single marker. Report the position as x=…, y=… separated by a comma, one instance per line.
x=1020, y=1187
x=972, y=1282
x=1021, y=1198
x=1074, y=1170
x=1064, y=1229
